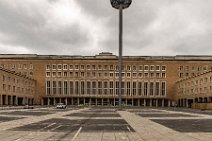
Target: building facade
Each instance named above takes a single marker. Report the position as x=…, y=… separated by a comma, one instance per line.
x=93, y=80
x=196, y=89
x=16, y=89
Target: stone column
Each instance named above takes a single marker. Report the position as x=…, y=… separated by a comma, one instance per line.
x=169, y=103
x=54, y=101
x=78, y=101
x=162, y=102
x=132, y=102
x=1, y=100
x=66, y=102
x=139, y=104
x=48, y=101
x=156, y=102
x=150, y=102
x=6, y=100
x=102, y=101
x=144, y=102
x=96, y=101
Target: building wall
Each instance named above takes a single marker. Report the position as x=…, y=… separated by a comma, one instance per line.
x=197, y=89
x=41, y=69
x=16, y=89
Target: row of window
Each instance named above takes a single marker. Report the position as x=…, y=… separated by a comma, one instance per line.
x=193, y=68
x=134, y=88
x=105, y=75
x=195, y=82
x=19, y=66
x=202, y=90
x=105, y=67
x=15, y=89
x=9, y=79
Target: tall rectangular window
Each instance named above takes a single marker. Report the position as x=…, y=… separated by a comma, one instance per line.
x=82, y=87
x=71, y=87
x=65, y=88
x=54, y=87
x=111, y=87
x=157, y=88
x=94, y=87
x=134, y=88
x=60, y=87
x=139, y=88
x=48, y=87
x=163, y=88
x=88, y=87
x=128, y=88
x=99, y=87
x=105, y=87
x=117, y=88
x=151, y=91
x=76, y=87
x=145, y=88
x=122, y=88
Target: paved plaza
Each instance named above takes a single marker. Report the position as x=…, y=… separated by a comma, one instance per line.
x=105, y=124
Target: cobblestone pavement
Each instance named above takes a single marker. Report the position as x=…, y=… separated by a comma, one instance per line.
x=104, y=124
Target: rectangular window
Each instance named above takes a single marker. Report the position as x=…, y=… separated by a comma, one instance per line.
x=76, y=88
x=152, y=68
x=48, y=74
x=140, y=88
x=82, y=67
x=88, y=87
x=146, y=68
x=146, y=75
x=54, y=74
x=163, y=88
x=60, y=87
x=99, y=87
x=105, y=67
x=157, y=88
x=65, y=74
x=163, y=75
x=134, y=68
x=54, y=67
x=65, y=88
x=163, y=68
x=128, y=88
x=65, y=67
x=71, y=67
x=151, y=87
x=59, y=67
x=82, y=87
x=117, y=88
x=71, y=87
x=145, y=88
x=134, y=88
x=140, y=68
x=93, y=67
x=111, y=87
x=48, y=87
x=105, y=87
x=54, y=87
x=157, y=68
x=128, y=68
x=94, y=87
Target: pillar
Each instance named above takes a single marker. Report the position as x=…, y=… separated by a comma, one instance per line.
x=1, y=100
x=139, y=104
x=162, y=102
x=83, y=101
x=66, y=102
x=6, y=100
x=114, y=102
x=132, y=102
x=126, y=101
x=72, y=101
x=102, y=101
x=48, y=100
x=59, y=100
x=96, y=101
x=169, y=103
x=150, y=102
x=54, y=101
x=156, y=102
x=78, y=101
x=42, y=102
x=144, y=102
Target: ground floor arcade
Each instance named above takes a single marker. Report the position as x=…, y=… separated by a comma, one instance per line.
x=185, y=102
x=106, y=101
x=15, y=100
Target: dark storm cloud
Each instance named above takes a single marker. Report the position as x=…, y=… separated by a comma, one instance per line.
x=87, y=27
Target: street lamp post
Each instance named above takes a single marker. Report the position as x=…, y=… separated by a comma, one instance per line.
x=120, y=5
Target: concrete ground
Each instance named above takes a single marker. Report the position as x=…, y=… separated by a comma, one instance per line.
x=104, y=124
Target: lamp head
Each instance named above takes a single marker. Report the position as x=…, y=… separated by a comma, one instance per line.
x=117, y=3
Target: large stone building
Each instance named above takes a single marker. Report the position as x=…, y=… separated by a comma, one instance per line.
x=93, y=80
x=16, y=89
x=196, y=89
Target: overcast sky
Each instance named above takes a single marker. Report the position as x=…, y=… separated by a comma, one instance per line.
x=88, y=27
